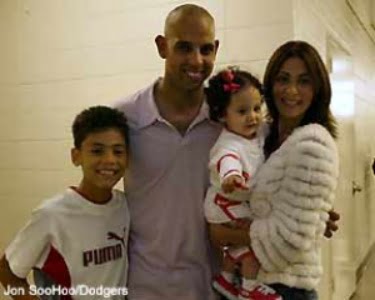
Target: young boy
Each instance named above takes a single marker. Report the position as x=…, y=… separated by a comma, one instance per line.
x=79, y=239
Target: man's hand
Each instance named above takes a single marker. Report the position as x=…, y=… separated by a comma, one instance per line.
x=243, y=223
x=233, y=182
x=331, y=225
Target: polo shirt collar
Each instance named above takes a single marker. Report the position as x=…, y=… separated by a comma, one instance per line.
x=149, y=113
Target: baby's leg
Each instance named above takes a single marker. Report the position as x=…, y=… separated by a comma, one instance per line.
x=223, y=283
x=249, y=269
x=251, y=289
x=229, y=265
x=249, y=266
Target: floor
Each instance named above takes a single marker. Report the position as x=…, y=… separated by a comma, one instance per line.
x=366, y=286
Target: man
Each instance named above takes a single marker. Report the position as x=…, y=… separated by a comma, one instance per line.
x=171, y=136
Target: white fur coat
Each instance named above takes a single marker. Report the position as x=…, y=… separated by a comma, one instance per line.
x=293, y=193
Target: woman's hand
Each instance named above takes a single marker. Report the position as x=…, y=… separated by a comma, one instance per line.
x=331, y=225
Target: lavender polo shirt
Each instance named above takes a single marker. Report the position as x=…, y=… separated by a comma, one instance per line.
x=168, y=176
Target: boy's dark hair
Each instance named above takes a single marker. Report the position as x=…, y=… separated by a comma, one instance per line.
x=96, y=119
x=225, y=83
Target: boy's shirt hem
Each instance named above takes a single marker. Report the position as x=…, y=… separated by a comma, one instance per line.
x=75, y=241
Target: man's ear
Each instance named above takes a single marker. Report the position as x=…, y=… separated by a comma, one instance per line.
x=217, y=43
x=222, y=120
x=161, y=44
x=75, y=155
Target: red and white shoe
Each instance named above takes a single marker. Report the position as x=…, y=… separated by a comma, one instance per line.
x=225, y=288
x=259, y=292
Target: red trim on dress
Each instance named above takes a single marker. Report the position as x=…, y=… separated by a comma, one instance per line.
x=231, y=171
x=221, y=158
x=239, y=258
x=224, y=203
x=246, y=176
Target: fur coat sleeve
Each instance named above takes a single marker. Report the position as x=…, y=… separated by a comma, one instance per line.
x=293, y=193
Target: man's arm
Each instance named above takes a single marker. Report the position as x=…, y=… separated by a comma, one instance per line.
x=221, y=235
x=9, y=280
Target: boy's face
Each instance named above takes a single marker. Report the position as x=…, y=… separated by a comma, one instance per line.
x=103, y=159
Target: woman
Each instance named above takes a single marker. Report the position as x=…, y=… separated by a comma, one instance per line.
x=295, y=187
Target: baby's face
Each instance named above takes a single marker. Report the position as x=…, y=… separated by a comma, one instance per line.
x=244, y=112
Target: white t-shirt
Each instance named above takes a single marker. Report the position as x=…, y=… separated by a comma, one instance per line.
x=75, y=242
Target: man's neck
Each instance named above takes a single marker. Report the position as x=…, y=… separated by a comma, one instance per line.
x=177, y=106
x=177, y=99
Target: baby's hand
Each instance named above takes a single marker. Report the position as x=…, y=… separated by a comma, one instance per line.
x=233, y=182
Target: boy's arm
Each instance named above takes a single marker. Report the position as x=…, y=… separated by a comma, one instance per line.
x=9, y=280
x=24, y=252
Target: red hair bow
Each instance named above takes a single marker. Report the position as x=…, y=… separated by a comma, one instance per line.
x=229, y=86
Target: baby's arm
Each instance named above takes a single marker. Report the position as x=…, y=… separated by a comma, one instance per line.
x=9, y=280
x=229, y=169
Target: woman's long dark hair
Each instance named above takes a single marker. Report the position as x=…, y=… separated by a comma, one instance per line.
x=319, y=111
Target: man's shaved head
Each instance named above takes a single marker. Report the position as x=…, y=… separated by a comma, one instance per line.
x=188, y=47
x=185, y=11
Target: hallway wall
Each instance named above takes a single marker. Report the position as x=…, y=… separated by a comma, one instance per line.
x=60, y=56
x=343, y=28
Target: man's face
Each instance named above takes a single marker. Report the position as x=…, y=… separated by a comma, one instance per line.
x=189, y=50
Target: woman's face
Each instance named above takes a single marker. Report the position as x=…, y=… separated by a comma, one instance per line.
x=293, y=90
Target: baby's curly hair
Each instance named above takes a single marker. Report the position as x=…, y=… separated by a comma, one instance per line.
x=225, y=83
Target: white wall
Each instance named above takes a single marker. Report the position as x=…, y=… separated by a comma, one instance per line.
x=60, y=56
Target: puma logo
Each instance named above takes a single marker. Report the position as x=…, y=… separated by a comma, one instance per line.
x=106, y=254
x=114, y=236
